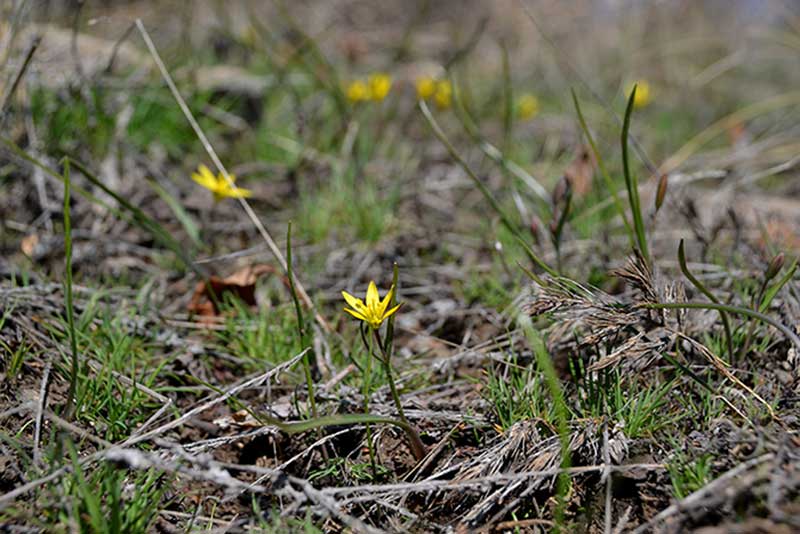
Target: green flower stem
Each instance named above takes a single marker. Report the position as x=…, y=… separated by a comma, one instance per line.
x=366, y=393
x=417, y=446
x=301, y=325
x=702, y=288
x=73, y=345
x=504, y=218
x=747, y=312
x=751, y=325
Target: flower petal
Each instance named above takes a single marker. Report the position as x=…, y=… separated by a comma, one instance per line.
x=207, y=174
x=353, y=302
x=391, y=312
x=356, y=314
x=386, y=301
x=373, y=299
x=235, y=192
x=204, y=178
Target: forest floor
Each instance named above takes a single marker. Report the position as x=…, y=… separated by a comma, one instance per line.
x=597, y=332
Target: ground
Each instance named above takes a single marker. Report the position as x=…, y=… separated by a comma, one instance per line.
x=588, y=213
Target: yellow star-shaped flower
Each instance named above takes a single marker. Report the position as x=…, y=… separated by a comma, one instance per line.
x=357, y=91
x=375, y=311
x=379, y=86
x=444, y=94
x=218, y=185
x=527, y=106
x=426, y=87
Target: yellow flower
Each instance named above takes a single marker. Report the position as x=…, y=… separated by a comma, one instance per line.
x=219, y=185
x=379, y=86
x=426, y=87
x=357, y=91
x=527, y=106
x=444, y=94
x=643, y=93
x=375, y=311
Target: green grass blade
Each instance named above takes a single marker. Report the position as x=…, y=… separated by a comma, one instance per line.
x=73, y=344
x=183, y=217
x=562, y=413
x=504, y=218
x=631, y=182
x=301, y=325
x=773, y=289
x=726, y=324
x=603, y=171
x=141, y=219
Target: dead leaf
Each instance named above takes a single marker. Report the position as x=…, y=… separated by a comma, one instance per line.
x=241, y=284
x=29, y=244
x=580, y=172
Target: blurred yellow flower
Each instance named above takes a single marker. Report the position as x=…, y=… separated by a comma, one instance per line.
x=218, y=185
x=527, y=106
x=444, y=94
x=375, y=311
x=426, y=87
x=643, y=93
x=379, y=85
x=357, y=91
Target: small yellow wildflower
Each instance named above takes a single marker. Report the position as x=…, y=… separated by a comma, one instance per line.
x=375, y=311
x=643, y=93
x=379, y=85
x=218, y=185
x=527, y=106
x=357, y=91
x=426, y=87
x=444, y=94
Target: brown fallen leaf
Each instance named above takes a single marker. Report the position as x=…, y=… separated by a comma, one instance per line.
x=29, y=244
x=241, y=284
x=580, y=172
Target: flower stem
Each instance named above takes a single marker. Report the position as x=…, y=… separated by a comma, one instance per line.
x=73, y=376
x=366, y=393
x=417, y=447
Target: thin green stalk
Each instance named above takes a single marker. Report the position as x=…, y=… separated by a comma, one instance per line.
x=390, y=321
x=73, y=345
x=603, y=171
x=491, y=151
x=545, y=364
x=751, y=325
x=773, y=290
x=508, y=97
x=632, y=183
x=301, y=328
x=416, y=444
x=704, y=290
x=505, y=219
x=747, y=312
x=366, y=393
x=143, y=220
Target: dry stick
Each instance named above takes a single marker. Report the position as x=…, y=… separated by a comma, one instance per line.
x=37, y=434
x=431, y=486
x=12, y=495
x=221, y=168
x=607, y=476
x=715, y=485
x=217, y=400
x=720, y=366
x=20, y=73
